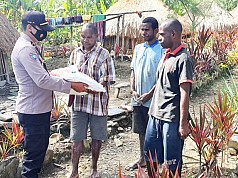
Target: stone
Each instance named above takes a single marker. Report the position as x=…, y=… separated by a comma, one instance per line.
x=87, y=145
x=48, y=157
x=119, y=86
x=19, y=170
x=232, y=151
x=13, y=98
x=13, y=90
x=3, y=83
x=120, y=129
x=112, y=124
x=114, y=111
x=118, y=142
x=67, y=140
x=61, y=150
x=236, y=170
x=6, y=117
x=7, y=124
x=233, y=142
x=8, y=167
x=13, y=93
x=127, y=107
x=122, y=135
x=55, y=137
x=61, y=127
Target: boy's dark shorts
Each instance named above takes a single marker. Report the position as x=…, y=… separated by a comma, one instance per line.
x=140, y=119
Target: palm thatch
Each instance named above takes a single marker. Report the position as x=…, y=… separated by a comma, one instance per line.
x=133, y=21
x=8, y=34
x=212, y=16
x=234, y=14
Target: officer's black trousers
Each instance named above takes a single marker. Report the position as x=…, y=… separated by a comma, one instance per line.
x=36, y=129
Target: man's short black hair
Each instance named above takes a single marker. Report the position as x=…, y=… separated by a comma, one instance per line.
x=174, y=24
x=153, y=21
x=92, y=27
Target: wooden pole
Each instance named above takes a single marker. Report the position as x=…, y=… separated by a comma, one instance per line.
x=117, y=36
x=7, y=69
x=123, y=37
x=132, y=44
x=130, y=12
x=71, y=39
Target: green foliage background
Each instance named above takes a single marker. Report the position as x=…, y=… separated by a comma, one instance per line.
x=14, y=9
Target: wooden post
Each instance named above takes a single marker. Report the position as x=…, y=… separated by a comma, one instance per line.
x=71, y=39
x=7, y=69
x=132, y=44
x=123, y=36
x=117, y=36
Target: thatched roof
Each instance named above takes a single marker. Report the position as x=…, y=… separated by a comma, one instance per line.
x=214, y=17
x=8, y=35
x=234, y=14
x=133, y=21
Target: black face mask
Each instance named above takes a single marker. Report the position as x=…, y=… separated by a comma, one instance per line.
x=40, y=34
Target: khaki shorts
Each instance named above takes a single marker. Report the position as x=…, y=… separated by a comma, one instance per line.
x=80, y=121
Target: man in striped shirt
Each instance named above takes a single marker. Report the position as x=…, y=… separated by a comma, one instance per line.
x=90, y=110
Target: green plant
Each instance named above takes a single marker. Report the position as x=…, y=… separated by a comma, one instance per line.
x=223, y=43
x=4, y=148
x=155, y=171
x=59, y=106
x=223, y=117
x=201, y=53
x=231, y=89
x=211, y=139
x=11, y=140
x=200, y=130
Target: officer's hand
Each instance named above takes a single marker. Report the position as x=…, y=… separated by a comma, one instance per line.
x=79, y=87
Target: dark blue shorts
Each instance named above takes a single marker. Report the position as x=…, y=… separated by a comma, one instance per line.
x=140, y=119
x=162, y=139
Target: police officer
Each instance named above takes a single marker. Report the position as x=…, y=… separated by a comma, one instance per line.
x=34, y=102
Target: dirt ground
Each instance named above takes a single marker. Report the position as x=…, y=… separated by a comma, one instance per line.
x=111, y=155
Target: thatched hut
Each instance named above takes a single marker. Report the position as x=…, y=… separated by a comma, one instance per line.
x=234, y=14
x=212, y=16
x=132, y=20
x=8, y=37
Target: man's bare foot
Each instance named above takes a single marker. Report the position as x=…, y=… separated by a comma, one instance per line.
x=134, y=165
x=95, y=174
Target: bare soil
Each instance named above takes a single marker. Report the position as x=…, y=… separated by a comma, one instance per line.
x=112, y=156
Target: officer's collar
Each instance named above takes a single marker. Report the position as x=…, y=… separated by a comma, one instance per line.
x=26, y=37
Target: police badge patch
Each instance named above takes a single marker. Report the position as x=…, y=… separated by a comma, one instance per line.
x=34, y=56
